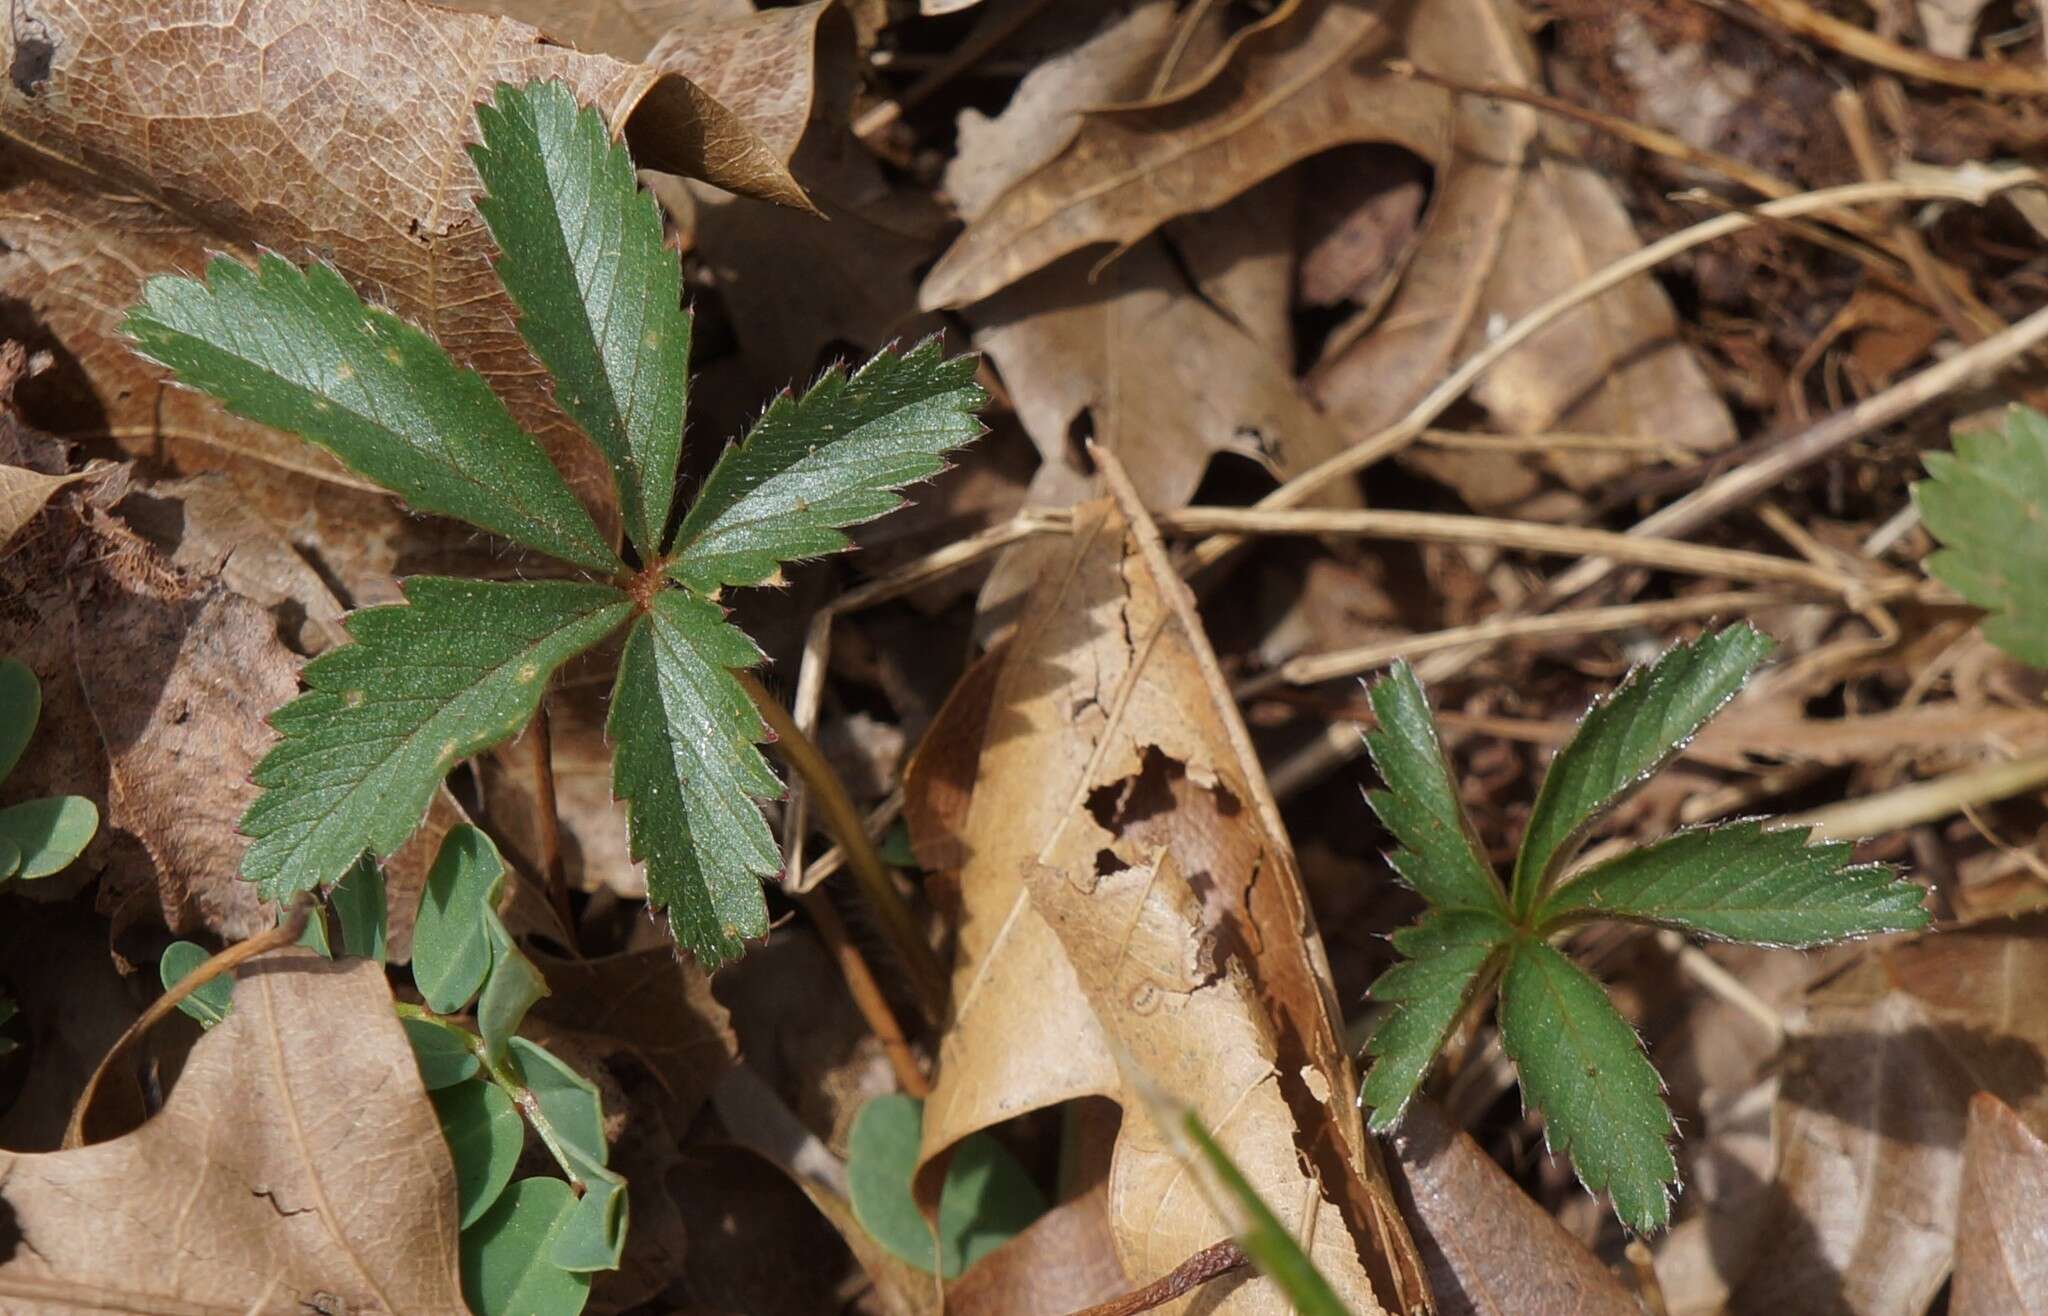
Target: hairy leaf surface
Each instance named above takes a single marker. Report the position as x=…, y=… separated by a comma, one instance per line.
x=1441, y=859
x=1988, y=505
x=456, y=669
x=1445, y=955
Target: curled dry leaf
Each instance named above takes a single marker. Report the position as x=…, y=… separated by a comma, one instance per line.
x=1868, y=1130
x=263, y=127
x=1284, y=90
x=1125, y=889
x=2001, y=1247
x=253, y=1190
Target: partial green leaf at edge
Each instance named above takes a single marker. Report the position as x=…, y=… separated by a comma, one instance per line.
x=300, y=351
x=1583, y=1067
x=10, y=858
x=1623, y=740
x=358, y=904
x=987, y=1198
x=456, y=669
x=1259, y=1232
x=506, y=1266
x=21, y=703
x=509, y=992
x=1987, y=504
x=834, y=457
x=1740, y=882
x=599, y=296
x=484, y=1134
x=48, y=835
x=442, y=1052
x=210, y=1003
x=684, y=734
x=1443, y=860
x=451, y=940
x=1446, y=956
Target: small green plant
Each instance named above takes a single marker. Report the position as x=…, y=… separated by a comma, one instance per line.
x=461, y=666
x=37, y=837
x=1988, y=505
x=987, y=1198
x=1580, y=1063
x=529, y=1246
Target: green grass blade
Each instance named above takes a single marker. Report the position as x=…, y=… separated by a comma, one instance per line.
x=1583, y=1067
x=456, y=669
x=1622, y=741
x=686, y=764
x=1988, y=505
x=300, y=351
x=599, y=297
x=1446, y=956
x=1742, y=883
x=1259, y=1232
x=832, y=458
x=1442, y=859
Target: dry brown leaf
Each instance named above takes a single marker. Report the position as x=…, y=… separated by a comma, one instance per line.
x=296, y=1166
x=319, y=139
x=623, y=29
x=1867, y=1133
x=1284, y=92
x=1163, y=917
x=2001, y=1216
x=1491, y=1251
x=1515, y=220
x=1065, y=1262
x=23, y=493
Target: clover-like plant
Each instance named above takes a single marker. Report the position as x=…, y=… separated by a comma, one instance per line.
x=461, y=666
x=37, y=837
x=1579, y=1062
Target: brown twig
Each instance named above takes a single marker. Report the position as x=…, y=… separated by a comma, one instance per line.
x=1212, y=1262
x=866, y=992
x=843, y=820
x=1872, y=49
x=549, y=824
x=998, y=24
x=224, y=961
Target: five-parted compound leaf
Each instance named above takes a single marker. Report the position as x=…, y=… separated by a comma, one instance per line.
x=1444, y=956
x=457, y=669
x=834, y=457
x=684, y=760
x=599, y=296
x=1988, y=505
x=1742, y=883
x=1623, y=740
x=1583, y=1066
x=300, y=351
x=1441, y=857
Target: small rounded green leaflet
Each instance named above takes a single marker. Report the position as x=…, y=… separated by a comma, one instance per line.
x=593, y=1237
x=49, y=834
x=358, y=904
x=506, y=1269
x=986, y=1200
x=484, y=1135
x=210, y=1003
x=451, y=945
x=10, y=858
x=442, y=1053
x=21, y=703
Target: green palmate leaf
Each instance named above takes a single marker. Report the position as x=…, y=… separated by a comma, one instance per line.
x=358, y=903
x=442, y=1052
x=300, y=351
x=505, y=1265
x=47, y=835
x=599, y=296
x=21, y=703
x=1259, y=1232
x=1623, y=740
x=1442, y=859
x=484, y=1134
x=834, y=457
x=1583, y=1067
x=1445, y=958
x=1743, y=883
x=1988, y=505
x=451, y=939
x=457, y=669
x=210, y=1002
x=686, y=765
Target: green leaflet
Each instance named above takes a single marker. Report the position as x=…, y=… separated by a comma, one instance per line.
x=1743, y=883
x=21, y=704
x=1421, y=808
x=1444, y=956
x=506, y=1269
x=1988, y=505
x=357, y=902
x=834, y=457
x=455, y=670
x=595, y=1232
x=685, y=762
x=599, y=296
x=209, y=1004
x=300, y=351
x=987, y=1198
x=484, y=1135
x=1584, y=1068
x=1623, y=740
x=46, y=835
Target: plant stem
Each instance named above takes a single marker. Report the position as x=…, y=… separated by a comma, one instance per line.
x=549, y=824
x=877, y=883
x=501, y=1074
x=867, y=993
